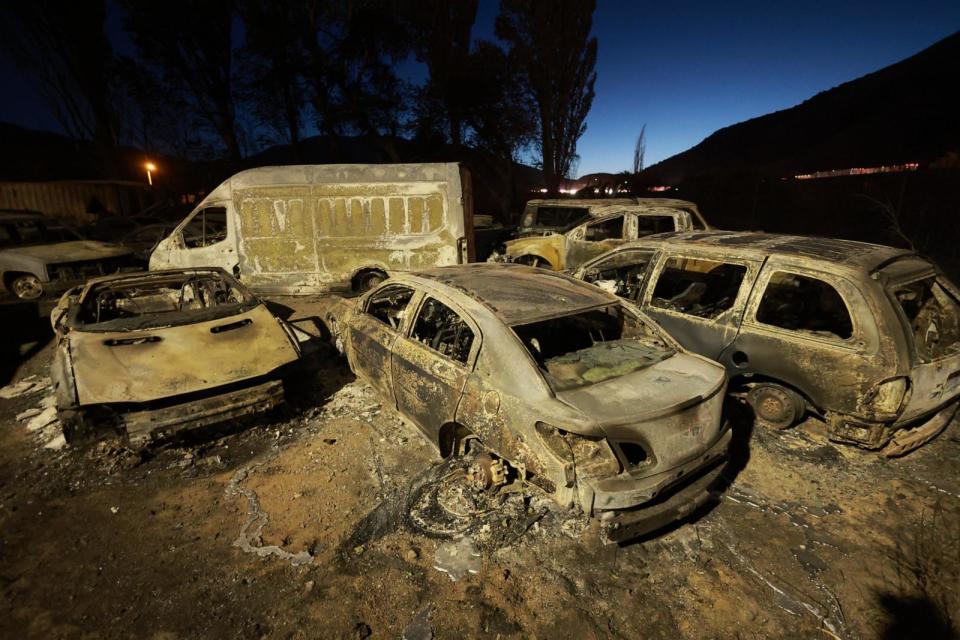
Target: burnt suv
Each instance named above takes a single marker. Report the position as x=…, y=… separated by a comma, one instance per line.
x=865, y=336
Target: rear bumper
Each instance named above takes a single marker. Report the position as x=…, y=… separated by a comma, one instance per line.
x=898, y=437
x=624, y=525
x=625, y=492
x=146, y=425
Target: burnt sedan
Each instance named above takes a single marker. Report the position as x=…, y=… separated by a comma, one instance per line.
x=545, y=380
x=147, y=355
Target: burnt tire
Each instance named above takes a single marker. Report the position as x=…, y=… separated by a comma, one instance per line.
x=368, y=280
x=775, y=406
x=26, y=286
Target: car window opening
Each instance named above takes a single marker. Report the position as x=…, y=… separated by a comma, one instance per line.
x=388, y=305
x=611, y=229
x=208, y=227
x=156, y=302
x=934, y=317
x=621, y=274
x=25, y=233
x=649, y=225
x=590, y=347
x=800, y=303
x=561, y=217
x=441, y=329
x=701, y=288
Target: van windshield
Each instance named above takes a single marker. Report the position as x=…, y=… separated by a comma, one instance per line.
x=934, y=316
x=592, y=346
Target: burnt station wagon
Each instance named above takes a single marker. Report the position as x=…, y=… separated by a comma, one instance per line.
x=865, y=336
x=546, y=380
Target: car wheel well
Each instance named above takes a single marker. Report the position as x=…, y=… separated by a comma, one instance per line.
x=9, y=276
x=534, y=260
x=450, y=436
x=745, y=386
x=367, y=278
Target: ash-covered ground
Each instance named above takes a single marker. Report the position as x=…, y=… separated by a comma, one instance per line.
x=300, y=526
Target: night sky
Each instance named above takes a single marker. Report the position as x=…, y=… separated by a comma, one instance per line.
x=684, y=69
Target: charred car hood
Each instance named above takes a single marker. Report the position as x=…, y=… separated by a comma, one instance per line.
x=663, y=388
x=152, y=364
x=73, y=251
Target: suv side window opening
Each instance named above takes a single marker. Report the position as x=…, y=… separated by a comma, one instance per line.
x=625, y=271
x=611, y=229
x=559, y=216
x=802, y=303
x=389, y=304
x=934, y=317
x=698, y=287
x=441, y=329
x=212, y=228
x=649, y=225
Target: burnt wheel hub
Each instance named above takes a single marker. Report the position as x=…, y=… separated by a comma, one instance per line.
x=486, y=473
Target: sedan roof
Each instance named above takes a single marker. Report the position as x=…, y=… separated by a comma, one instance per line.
x=519, y=294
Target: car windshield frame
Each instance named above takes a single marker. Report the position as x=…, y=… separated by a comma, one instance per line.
x=159, y=319
x=46, y=230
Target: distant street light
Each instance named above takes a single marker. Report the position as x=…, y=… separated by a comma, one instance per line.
x=150, y=169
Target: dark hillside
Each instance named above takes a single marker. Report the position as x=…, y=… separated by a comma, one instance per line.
x=906, y=112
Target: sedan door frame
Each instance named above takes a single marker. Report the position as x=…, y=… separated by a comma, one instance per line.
x=444, y=366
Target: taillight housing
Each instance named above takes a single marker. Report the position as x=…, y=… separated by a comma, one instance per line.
x=888, y=397
x=589, y=455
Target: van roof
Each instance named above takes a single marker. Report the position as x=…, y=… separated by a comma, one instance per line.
x=345, y=174
x=520, y=294
x=862, y=255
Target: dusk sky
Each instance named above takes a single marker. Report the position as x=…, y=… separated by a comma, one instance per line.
x=688, y=69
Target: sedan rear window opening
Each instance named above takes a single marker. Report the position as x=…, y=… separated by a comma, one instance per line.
x=934, y=317
x=590, y=347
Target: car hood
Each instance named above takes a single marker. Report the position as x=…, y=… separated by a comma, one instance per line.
x=664, y=388
x=152, y=364
x=73, y=251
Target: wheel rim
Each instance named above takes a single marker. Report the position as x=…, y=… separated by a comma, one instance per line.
x=27, y=287
x=774, y=407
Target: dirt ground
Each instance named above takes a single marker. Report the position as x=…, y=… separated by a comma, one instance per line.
x=297, y=527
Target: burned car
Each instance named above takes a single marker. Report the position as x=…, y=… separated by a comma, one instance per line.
x=548, y=382
x=40, y=256
x=603, y=229
x=147, y=355
x=864, y=336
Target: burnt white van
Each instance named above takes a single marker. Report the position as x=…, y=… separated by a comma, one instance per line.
x=865, y=336
x=307, y=229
